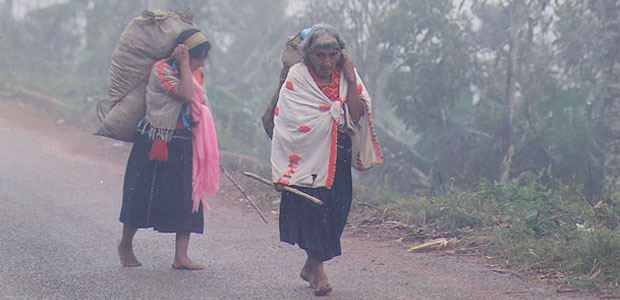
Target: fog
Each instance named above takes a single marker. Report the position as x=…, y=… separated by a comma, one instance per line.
x=462, y=91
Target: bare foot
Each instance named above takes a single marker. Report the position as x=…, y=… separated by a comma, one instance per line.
x=127, y=257
x=320, y=283
x=186, y=264
x=307, y=275
x=323, y=291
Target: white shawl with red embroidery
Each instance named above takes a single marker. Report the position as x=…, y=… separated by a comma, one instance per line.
x=303, y=148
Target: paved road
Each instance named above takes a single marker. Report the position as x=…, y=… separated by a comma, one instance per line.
x=59, y=230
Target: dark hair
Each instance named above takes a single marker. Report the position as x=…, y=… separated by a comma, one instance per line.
x=200, y=51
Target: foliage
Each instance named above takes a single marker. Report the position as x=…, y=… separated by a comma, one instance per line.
x=63, y=50
x=548, y=230
x=248, y=37
x=596, y=253
x=236, y=128
x=79, y=37
x=518, y=92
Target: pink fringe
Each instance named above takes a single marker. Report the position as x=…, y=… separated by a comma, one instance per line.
x=206, y=160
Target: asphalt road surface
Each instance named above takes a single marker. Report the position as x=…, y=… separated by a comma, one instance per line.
x=60, y=191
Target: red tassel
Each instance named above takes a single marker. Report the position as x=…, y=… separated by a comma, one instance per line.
x=159, y=151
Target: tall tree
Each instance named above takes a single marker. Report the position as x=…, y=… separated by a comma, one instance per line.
x=609, y=13
x=428, y=85
x=248, y=37
x=7, y=17
x=357, y=21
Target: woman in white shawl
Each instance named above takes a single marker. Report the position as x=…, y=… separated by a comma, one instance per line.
x=322, y=128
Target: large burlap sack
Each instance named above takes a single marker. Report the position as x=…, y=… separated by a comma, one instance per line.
x=291, y=54
x=146, y=39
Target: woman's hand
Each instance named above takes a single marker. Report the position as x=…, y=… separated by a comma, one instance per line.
x=184, y=91
x=354, y=103
x=347, y=68
x=181, y=54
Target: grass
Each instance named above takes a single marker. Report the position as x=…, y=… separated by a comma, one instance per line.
x=550, y=231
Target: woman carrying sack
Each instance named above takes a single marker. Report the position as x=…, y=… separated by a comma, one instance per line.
x=322, y=128
x=174, y=162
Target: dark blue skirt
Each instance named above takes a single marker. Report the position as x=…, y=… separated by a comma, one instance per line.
x=159, y=194
x=319, y=227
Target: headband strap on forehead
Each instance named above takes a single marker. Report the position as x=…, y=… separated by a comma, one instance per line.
x=325, y=41
x=325, y=38
x=195, y=40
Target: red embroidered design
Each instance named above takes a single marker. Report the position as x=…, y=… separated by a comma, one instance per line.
x=304, y=129
x=289, y=85
x=294, y=161
x=325, y=107
x=164, y=79
x=331, y=90
x=360, y=89
x=333, y=151
x=374, y=141
x=276, y=111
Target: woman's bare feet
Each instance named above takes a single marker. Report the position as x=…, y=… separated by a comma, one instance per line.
x=186, y=264
x=314, y=273
x=323, y=291
x=320, y=283
x=306, y=274
x=127, y=257
x=181, y=261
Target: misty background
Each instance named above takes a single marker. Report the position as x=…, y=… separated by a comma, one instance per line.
x=463, y=90
x=496, y=118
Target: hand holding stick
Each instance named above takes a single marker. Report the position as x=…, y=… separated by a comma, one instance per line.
x=286, y=188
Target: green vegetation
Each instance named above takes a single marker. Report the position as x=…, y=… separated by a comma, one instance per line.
x=538, y=229
x=498, y=119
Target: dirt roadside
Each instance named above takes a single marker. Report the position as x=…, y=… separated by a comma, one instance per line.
x=73, y=137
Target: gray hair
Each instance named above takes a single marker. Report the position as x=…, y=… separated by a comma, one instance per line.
x=319, y=30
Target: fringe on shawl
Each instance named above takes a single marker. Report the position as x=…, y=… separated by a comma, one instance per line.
x=155, y=133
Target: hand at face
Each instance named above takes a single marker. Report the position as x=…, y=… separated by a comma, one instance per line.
x=347, y=68
x=181, y=53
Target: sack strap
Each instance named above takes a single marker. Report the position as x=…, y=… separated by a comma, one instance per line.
x=100, y=110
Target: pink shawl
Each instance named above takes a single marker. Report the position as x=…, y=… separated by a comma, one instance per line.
x=205, y=161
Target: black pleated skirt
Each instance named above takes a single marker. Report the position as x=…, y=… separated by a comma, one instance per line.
x=319, y=227
x=159, y=194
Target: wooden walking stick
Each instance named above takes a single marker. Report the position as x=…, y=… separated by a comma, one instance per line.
x=243, y=192
x=286, y=188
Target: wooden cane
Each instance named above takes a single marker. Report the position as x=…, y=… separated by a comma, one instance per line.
x=244, y=193
x=286, y=188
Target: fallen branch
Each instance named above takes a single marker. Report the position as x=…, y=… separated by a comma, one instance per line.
x=515, y=292
x=567, y=290
x=501, y=271
x=504, y=271
x=469, y=249
x=286, y=188
x=434, y=244
x=243, y=193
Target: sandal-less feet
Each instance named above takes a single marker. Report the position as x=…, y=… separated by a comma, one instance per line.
x=188, y=268
x=127, y=258
x=323, y=291
x=306, y=278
